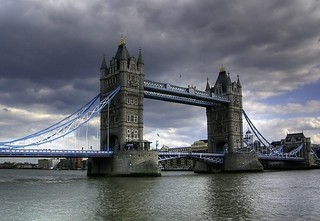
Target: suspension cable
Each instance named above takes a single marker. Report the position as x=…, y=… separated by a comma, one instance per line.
x=256, y=131
x=63, y=127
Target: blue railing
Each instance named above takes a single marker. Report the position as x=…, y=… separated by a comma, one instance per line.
x=54, y=153
x=189, y=95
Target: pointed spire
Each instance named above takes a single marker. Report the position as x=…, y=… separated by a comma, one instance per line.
x=208, y=89
x=103, y=64
x=123, y=56
x=140, y=60
x=229, y=79
x=238, y=82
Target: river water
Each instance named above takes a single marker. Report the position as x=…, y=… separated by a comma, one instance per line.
x=71, y=195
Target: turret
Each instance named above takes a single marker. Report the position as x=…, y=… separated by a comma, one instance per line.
x=103, y=68
x=229, y=84
x=123, y=58
x=140, y=63
x=208, y=89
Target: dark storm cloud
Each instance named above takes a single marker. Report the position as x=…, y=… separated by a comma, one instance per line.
x=243, y=35
x=45, y=42
x=51, y=51
x=46, y=49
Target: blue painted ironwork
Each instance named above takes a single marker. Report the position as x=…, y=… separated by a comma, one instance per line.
x=285, y=157
x=64, y=121
x=54, y=153
x=162, y=156
x=295, y=151
x=206, y=157
x=256, y=132
x=190, y=95
x=315, y=155
x=219, y=158
x=63, y=127
x=273, y=152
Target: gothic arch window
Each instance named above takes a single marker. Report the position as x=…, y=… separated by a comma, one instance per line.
x=136, y=134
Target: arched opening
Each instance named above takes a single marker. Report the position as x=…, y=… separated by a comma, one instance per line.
x=221, y=147
x=114, y=143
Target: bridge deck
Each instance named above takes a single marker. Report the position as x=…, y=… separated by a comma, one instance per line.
x=280, y=158
x=54, y=153
x=190, y=154
x=47, y=153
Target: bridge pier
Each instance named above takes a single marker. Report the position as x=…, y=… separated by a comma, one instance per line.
x=308, y=163
x=202, y=167
x=242, y=162
x=125, y=163
x=233, y=163
x=99, y=166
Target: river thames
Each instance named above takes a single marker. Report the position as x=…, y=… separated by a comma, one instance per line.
x=71, y=195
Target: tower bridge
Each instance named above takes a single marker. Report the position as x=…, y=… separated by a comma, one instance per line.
x=124, y=152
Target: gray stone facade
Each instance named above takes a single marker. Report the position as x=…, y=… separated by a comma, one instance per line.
x=224, y=121
x=126, y=109
x=121, y=123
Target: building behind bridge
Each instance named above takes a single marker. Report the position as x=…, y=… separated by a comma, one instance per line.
x=62, y=164
x=292, y=141
x=200, y=146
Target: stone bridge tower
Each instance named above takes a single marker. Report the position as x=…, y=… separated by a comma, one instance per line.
x=224, y=127
x=121, y=122
x=224, y=121
x=125, y=127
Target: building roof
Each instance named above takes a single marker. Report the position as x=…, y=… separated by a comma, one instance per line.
x=122, y=52
x=223, y=79
x=295, y=136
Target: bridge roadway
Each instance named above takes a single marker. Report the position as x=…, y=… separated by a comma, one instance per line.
x=207, y=157
x=47, y=153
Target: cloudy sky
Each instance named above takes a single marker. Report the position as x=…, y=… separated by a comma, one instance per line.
x=51, y=52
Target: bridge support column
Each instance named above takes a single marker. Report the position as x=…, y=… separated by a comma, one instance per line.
x=126, y=163
x=202, y=167
x=99, y=166
x=242, y=162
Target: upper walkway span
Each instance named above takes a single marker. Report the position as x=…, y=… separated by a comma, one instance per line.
x=177, y=94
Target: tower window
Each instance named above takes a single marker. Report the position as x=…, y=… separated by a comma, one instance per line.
x=132, y=118
x=135, y=134
x=132, y=101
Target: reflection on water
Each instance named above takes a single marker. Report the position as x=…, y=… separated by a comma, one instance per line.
x=71, y=195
